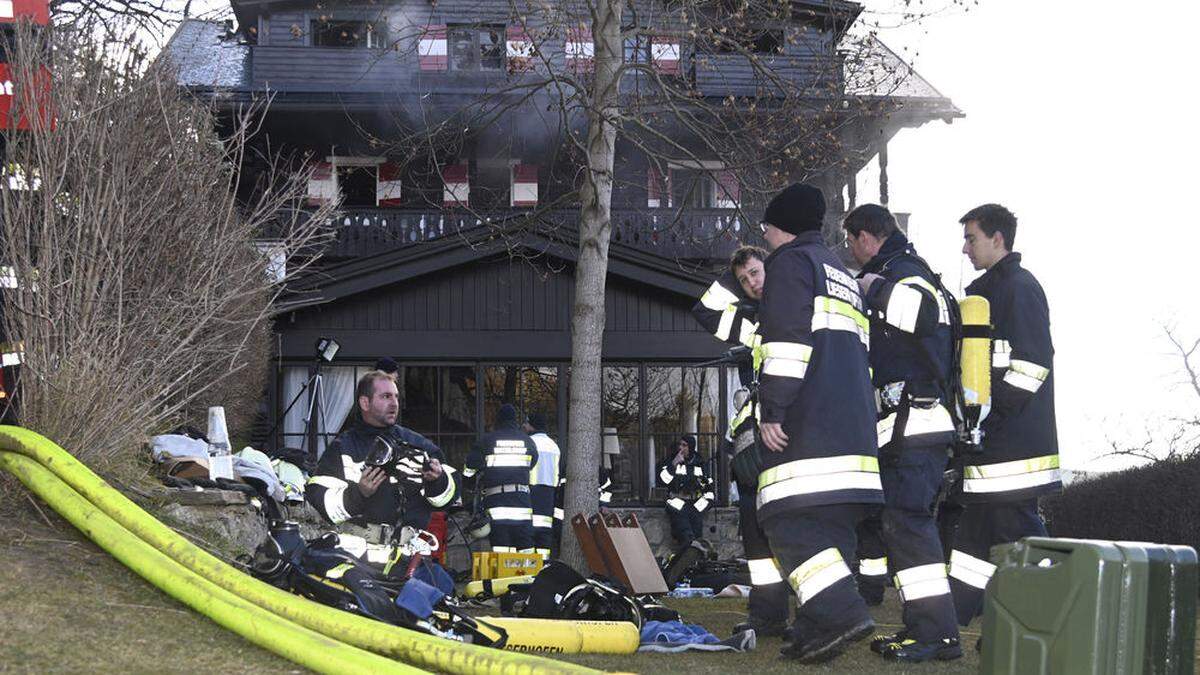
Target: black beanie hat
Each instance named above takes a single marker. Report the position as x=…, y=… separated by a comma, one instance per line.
x=507, y=414
x=799, y=208
x=690, y=440
x=537, y=420
x=388, y=365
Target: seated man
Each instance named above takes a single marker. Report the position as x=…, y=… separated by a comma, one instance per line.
x=685, y=475
x=347, y=491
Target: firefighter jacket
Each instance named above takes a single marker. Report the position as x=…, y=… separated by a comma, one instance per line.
x=1020, y=442
x=603, y=489
x=401, y=500
x=687, y=481
x=912, y=348
x=736, y=324
x=505, y=456
x=815, y=380
x=725, y=311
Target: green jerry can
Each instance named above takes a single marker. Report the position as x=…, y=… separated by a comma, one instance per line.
x=1079, y=607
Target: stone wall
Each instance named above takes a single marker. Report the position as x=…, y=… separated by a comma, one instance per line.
x=241, y=528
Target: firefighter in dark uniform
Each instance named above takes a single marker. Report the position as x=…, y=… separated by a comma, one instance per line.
x=911, y=355
x=821, y=470
x=367, y=502
x=544, y=479
x=505, y=456
x=729, y=309
x=685, y=475
x=1019, y=462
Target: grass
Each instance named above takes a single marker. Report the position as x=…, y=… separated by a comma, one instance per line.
x=719, y=615
x=67, y=606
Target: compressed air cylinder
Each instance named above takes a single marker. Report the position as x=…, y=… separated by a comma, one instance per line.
x=568, y=636
x=976, y=364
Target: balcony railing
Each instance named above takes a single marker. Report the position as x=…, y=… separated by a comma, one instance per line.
x=692, y=234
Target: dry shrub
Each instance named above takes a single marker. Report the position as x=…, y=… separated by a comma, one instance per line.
x=141, y=293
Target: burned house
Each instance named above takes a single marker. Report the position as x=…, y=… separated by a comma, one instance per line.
x=454, y=242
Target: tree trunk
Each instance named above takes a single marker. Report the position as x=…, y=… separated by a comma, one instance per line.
x=587, y=316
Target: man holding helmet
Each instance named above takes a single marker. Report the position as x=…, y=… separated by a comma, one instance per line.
x=378, y=475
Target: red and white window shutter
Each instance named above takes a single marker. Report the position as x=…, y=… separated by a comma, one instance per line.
x=387, y=185
x=579, y=50
x=431, y=49
x=664, y=54
x=728, y=192
x=524, y=189
x=658, y=188
x=520, y=50
x=322, y=184
x=456, y=185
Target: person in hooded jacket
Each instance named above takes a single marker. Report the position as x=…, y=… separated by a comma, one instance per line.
x=1019, y=459
x=685, y=476
x=544, y=479
x=821, y=470
x=911, y=360
x=500, y=462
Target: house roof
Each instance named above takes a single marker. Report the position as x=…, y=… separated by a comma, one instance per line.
x=207, y=58
x=876, y=71
x=365, y=274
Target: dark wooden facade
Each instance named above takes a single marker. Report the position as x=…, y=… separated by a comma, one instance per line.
x=473, y=299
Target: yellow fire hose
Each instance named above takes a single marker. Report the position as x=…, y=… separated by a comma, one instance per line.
x=553, y=636
x=295, y=643
x=409, y=646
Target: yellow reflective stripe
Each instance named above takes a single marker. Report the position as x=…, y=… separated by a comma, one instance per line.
x=467, y=472
x=814, y=476
x=749, y=336
x=1029, y=368
x=447, y=495
x=509, y=460
x=764, y=572
x=943, y=310
x=904, y=305
x=873, y=567
x=337, y=571
x=818, y=573
x=834, y=314
x=923, y=581
x=558, y=514
x=816, y=467
x=970, y=570
x=1020, y=466
x=717, y=297
x=786, y=359
x=510, y=513
x=542, y=521
x=742, y=415
x=1001, y=354
x=725, y=326
x=676, y=503
x=700, y=504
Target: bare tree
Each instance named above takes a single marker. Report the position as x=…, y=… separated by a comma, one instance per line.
x=1178, y=435
x=136, y=284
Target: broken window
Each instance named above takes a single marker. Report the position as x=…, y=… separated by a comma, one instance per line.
x=475, y=47
x=348, y=33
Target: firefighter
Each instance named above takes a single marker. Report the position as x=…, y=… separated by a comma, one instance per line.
x=729, y=309
x=689, y=488
x=821, y=471
x=1019, y=462
x=365, y=503
x=911, y=355
x=544, y=479
x=505, y=456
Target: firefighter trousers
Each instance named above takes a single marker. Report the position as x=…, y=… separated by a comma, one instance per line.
x=686, y=523
x=812, y=545
x=768, y=590
x=872, y=567
x=511, y=514
x=541, y=498
x=911, y=481
x=982, y=526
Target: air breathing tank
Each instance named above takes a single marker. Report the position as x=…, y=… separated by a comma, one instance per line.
x=976, y=364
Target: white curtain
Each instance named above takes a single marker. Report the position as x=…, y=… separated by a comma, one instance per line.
x=337, y=400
